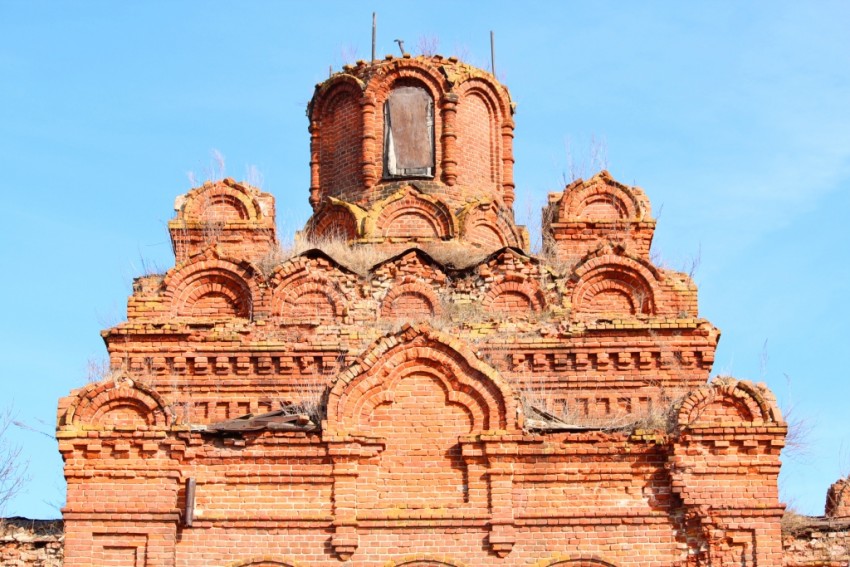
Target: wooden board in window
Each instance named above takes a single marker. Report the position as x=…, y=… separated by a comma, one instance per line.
x=409, y=133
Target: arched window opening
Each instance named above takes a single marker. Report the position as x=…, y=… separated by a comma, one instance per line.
x=409, y=133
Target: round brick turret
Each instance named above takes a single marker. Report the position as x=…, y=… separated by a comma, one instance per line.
x=431, y=135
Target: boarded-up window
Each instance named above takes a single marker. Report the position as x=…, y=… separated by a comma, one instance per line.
x=409, y=133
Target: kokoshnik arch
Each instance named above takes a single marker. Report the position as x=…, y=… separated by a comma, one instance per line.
x=458, y=402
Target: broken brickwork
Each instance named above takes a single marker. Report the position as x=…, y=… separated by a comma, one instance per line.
x=30, y=543
x=838, y=499
x=816, y=542
x=415, y=388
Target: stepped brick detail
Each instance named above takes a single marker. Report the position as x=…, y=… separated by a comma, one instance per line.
x=415, y=388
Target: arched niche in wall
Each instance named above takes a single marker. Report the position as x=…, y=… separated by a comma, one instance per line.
x=118, y=404
x=333, y=221
x=411, y=301
x=212, y=288
x=303, y=290
x=220, y=202
x=420, y=393
x=516, y=296
x=616, y=286
x=484, y=130
x=601, y=198
x=410, y=214
x=478, y=138
x=340, y=140
x=483, y=224
x=419, y=350
x=728, y=401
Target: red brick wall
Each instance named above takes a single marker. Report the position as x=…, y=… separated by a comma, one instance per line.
x=540, y=411
x=477, y=143
x=340, y=142
x=472, y=138
x=807, y=542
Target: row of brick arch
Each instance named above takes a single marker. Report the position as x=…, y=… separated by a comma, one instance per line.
x=410, y=214
x=218, y=294
x=312, y=286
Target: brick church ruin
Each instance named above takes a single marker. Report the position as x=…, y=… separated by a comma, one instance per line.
x=413, y=387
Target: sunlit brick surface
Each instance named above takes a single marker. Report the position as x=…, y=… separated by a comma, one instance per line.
x=454, y=399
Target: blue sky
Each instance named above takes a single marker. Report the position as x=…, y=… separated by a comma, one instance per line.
x=734, y=117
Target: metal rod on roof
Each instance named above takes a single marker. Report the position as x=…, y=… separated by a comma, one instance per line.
x=493, y=52
x=374, y=33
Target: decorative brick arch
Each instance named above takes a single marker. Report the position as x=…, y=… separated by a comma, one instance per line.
x=212, y=287
x=580, y=561
x=485, y=232
x=223, y=215
x=466, y=381
x=729, y=401
x=411, y=214
x=497, y=99
x=342, y=131
x=603, y=198
x=300, y=292
x=407, y=72
x=616, y=285
x=515, y=294
x=424, y=561
x=223, y=201
x=478, y=136
x=265, y=561
x=118, y=404
x=411, y=300
x=481, y=112
x=399, y=73
x=335, y=220
x=482, y=223
x=340, y=140
x=327, y=91
x=502, y=127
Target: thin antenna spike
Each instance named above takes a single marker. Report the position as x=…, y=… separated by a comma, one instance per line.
x=493, y=52
x=374, y=33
